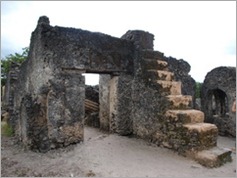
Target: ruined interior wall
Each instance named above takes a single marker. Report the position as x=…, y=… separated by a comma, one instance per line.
x=104, y=101
x=147, y=115
x=121, y=105
x=116, y=103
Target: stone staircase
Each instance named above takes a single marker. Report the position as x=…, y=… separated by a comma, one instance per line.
x=185, y=130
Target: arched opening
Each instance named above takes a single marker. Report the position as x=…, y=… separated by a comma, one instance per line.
x=218, y=103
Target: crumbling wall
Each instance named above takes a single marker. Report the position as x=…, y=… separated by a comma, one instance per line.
x=49, y=103
x=138, y=93
x=217, y=97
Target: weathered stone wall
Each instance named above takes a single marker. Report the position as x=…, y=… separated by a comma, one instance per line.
x=49, y=102
x=138, y=93
x=71, y=48
x=50, y=113
x=217, y=96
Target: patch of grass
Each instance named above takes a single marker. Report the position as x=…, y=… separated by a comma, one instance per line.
x=6, y=130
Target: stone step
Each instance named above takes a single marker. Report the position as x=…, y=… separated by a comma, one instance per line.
x=185, y=116
x=160, y=75
x=151, y=54
x=169, y=87
x=200, y=127
x=214, y=157
x=200, y=136
x=179, y=101
x=154, y=64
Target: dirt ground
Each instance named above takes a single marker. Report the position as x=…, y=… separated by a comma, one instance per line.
x=107, y=155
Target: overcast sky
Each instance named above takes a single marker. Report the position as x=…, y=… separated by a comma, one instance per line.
x=199, y=32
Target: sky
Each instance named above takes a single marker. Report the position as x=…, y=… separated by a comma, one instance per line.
x=203, y=33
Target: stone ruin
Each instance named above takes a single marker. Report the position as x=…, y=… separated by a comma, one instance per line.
x=218, y=94
x=138, y=93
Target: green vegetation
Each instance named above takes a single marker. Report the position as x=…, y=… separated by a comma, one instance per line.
x=198, y=87
x=6, y=63
x=6, y=130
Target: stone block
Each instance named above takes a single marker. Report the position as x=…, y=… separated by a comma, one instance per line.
x=200, y=136
x=185, y=116
x=214, y=157
x=159, y=75
x=169, y=87
x=179, y=101
x=154, y=64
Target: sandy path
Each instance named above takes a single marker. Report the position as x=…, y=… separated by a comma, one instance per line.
x=108, y=155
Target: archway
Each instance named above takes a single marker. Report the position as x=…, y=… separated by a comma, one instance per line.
x=218, y=104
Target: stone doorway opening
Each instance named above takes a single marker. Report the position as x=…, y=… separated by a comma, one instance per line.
x=98, y=103
x=91, y=101
x=218, y=103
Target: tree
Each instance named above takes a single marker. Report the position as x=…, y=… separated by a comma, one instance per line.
x=198, y=87
x=6, y=63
